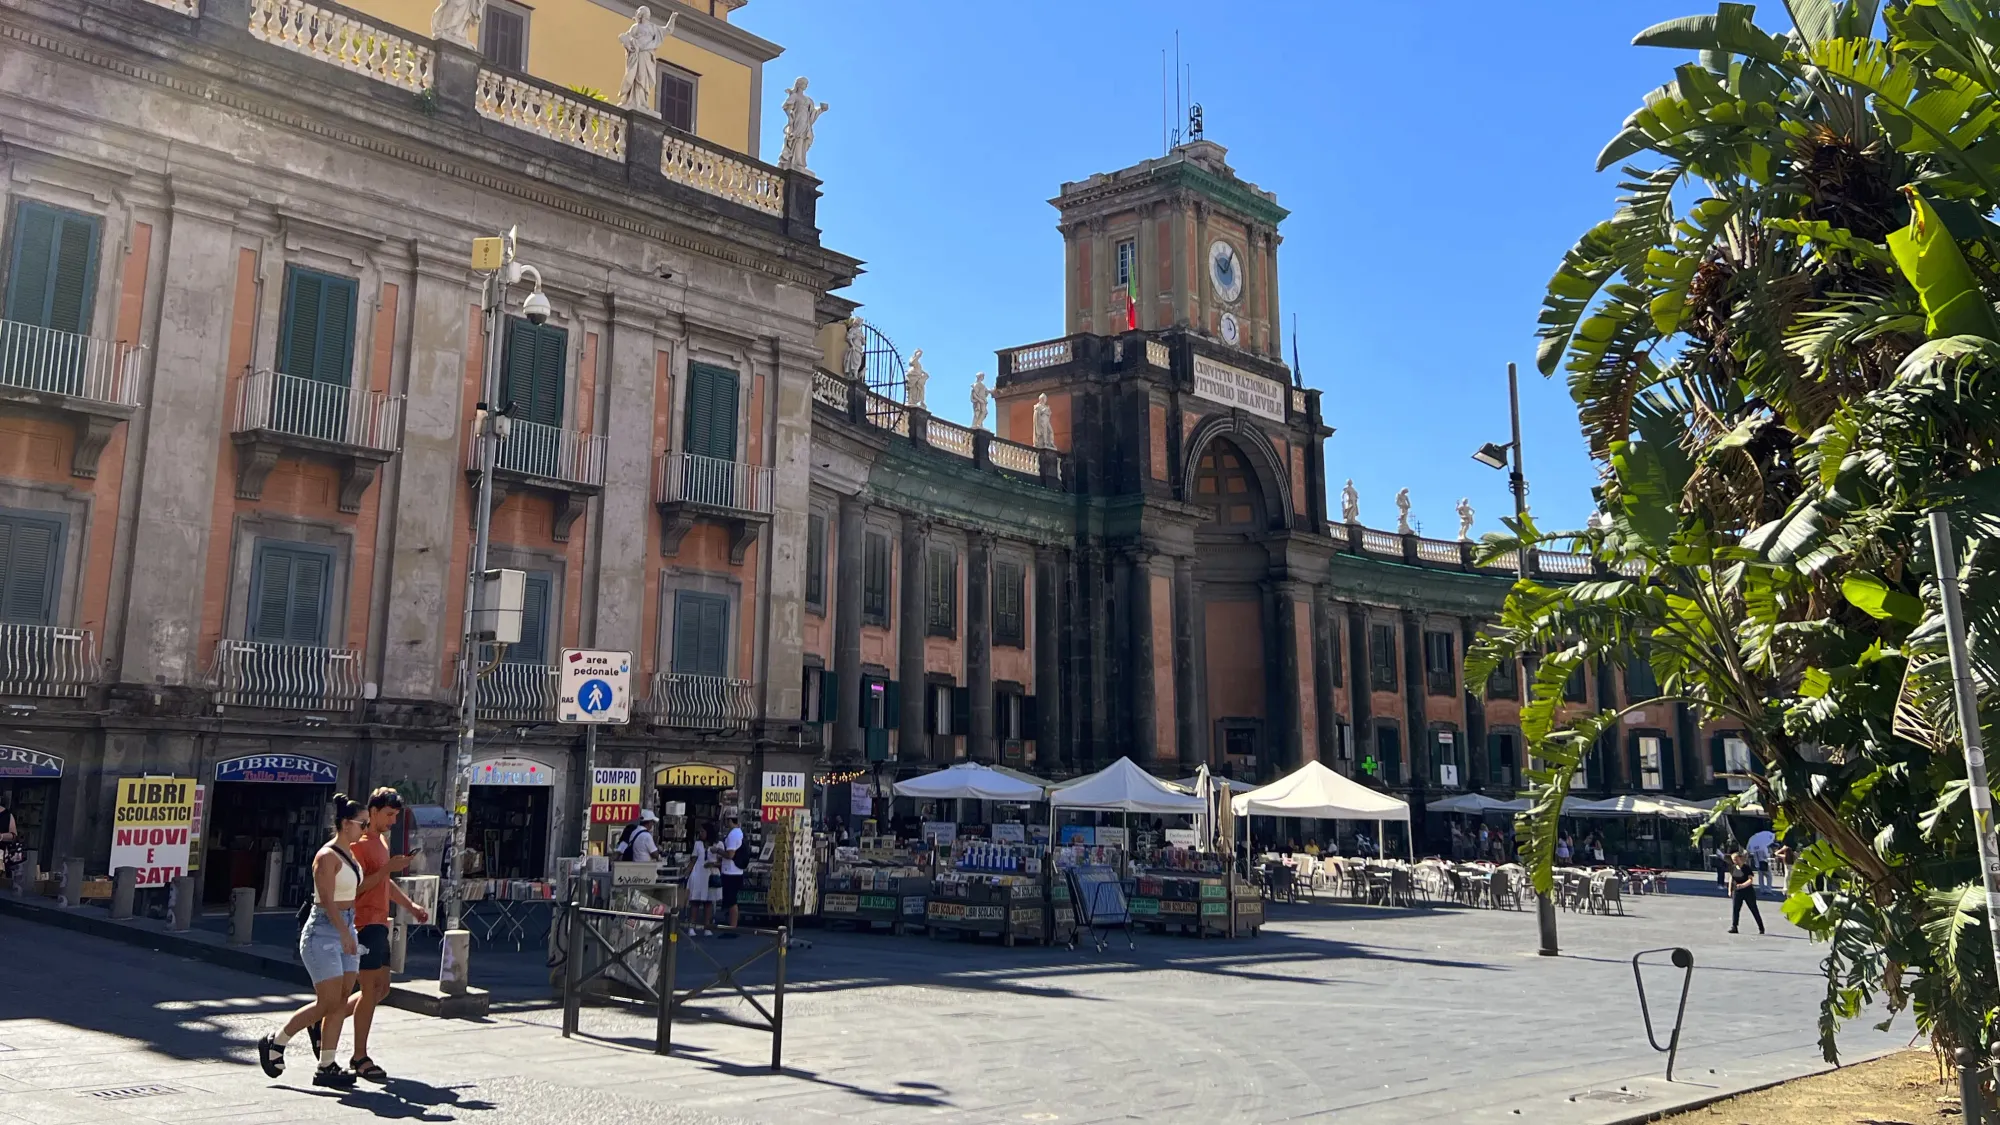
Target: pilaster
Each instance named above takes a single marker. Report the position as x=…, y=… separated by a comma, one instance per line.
x=979, y=745
x=915, y=741
x=847, y=577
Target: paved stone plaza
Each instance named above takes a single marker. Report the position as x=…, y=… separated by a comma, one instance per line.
x=1337, y=1013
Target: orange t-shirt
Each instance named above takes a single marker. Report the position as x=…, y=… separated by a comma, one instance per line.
x=371, y=907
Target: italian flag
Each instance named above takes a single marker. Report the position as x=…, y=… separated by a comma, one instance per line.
x=1132, y=301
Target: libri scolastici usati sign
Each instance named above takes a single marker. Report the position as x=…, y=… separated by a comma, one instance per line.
x=1233, y=386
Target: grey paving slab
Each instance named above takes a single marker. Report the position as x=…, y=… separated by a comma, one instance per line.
x=1338, y=1013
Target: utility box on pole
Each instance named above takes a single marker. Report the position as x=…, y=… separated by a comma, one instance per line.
x=503, y=595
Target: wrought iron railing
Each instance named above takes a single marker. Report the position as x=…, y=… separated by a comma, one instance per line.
x=548, y=452
x=949, y=436
x=285, y=677
x=33, y=358
x=516, y=692
x=46, y=660
x=577, y=122
x=886, y=413
x=712, y=482
x=1037, y=356
x=1014, y=456
x=288, y=404
x=686, y=161
x=344, y=41
x=679, y=700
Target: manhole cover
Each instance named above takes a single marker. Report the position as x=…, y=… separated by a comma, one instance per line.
x=1620, y=1097
x=126, y=1093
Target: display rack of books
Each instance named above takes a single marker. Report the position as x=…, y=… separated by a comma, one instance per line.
x=787, y=859
x=992, y=890
x=1177, y=890
x=877, y=883
x=512, y=913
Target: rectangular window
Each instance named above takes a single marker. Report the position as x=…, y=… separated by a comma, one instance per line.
x=812, y=698
x=701, y=634
x=941, y=593
x=1575, y=690
x=1389, y=755
x=875, y=580
x=1128, y=265
x=1650, y=776
x=1382, y=657
x=1440, y=663
x=1505, y=682
x=1009, y=599
x=677, y=97
x=1736, y=761
x=31, y=546
x=1639, y=682
x=711, y=412
x=816, y=563
x=532, y=382
x=1007, y=716
x=503, y=36
x=52, y=273
x=290, y=586
x=316, y=336
x=940, y=708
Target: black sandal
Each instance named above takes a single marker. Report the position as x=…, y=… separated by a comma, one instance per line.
x=270, y=1056
x=365, y=1067
x=330, y=1074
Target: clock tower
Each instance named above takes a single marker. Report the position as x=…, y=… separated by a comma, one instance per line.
x=1177, y=241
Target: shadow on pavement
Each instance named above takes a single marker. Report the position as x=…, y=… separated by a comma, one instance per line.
x=403, y=1099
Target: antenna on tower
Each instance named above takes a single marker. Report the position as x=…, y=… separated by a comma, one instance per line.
x=1166, y=118
x=1194, y=122
x=1298, y=373
x=1175, y=139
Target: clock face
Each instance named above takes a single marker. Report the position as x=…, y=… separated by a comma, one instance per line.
x=1230, y=332
x=1225, y=270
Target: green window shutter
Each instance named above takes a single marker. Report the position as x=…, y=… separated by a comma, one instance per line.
x=334, y=360
x=1718, y=756
x=829, y=696
x=532, y=370
x=701, y=634
x=53, y=269
x=816, y=560
x=1031, y=717
x=298, y=337
x=1632, y=760
x=289, y=584
x=892, y=705
x=517, y=367
x=536, y=597
x=961, y=710
x=1492, y=757
x=711, y=411
x=30, y=553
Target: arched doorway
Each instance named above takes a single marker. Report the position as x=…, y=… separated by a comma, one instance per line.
x=1235, y=610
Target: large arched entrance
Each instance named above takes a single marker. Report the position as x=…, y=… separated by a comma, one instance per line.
x=1235, y=607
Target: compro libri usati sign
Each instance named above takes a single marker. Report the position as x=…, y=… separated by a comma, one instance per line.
x=1233, y=386
x=150, y=824
x=596, y=686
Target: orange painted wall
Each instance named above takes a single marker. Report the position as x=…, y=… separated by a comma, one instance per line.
x=1235, y=654
x=1165, y=739
x=1020, y=411
x=1298, y=480
x=1308, y=699
x=1085, y=297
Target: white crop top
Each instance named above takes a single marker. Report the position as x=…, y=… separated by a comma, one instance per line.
x=346, y=883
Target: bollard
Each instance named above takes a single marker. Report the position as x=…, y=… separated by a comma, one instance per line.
x=1970, y=1099
x=72, y=882
x=31, y=870
x=184, y=897
x=455, y=962
x=124, y=884
x=242, y=915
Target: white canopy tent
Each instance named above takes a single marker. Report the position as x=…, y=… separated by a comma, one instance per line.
x=1123, y=787
x=1316, y=792
x=1631, y=804
x=970, y=781
x=1474, y=804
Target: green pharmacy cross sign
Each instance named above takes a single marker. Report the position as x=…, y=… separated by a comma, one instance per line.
x=1368, y=765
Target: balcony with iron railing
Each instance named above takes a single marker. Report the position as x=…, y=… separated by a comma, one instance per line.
x=92, y=383
x=47, y=661
x=516, y=692
x=285, y=677
x=691, y=488
x=279, y=414
x=701, y=702
x=568, y=464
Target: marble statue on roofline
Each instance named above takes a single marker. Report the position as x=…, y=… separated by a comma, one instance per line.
x=857, y=349
x=801, y=113
x=1464, y=518
x=1350, y=503
x=915, y=379
x=1045, y=423
x=454, y=20
x=641, y=88
x=1403, y=512
x=980, y=397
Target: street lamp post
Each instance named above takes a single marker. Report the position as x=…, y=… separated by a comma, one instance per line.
x=501, y=271
x=1494, y=456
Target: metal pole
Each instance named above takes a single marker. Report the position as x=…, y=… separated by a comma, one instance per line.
x=1517, y=482
x=1968, y=721
x=778, y=1007
x=1970, y=1100
x=454, y=972
x=590, y=788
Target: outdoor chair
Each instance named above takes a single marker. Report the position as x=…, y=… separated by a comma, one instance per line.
x=1607, y=896
x=1281, y=884
x=1501, y=891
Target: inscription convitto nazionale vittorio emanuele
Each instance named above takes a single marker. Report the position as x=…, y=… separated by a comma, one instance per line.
x=1232, y=386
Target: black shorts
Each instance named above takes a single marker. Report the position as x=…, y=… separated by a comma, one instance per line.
x=732, y=885
x=374, y=943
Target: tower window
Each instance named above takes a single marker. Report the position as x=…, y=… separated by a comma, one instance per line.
x=1128, y=264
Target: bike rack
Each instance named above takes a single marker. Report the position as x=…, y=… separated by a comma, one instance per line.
x=1682, y=958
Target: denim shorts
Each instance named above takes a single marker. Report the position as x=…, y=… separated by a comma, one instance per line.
x=319, y=947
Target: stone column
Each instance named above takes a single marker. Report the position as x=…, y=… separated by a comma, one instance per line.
x=1102, y=276
x=628, y=474
x=1415, y=727
x=1188, y=734
x=1197, y=282
x=979, y=744
x=849, y=541
x=1051, y=747
x=915, y=740
x=183, y=406
x=431, y=495
x=1147, y=247
x=1136, y=576
x=1178, y=247
x=1360, y=703
x=783, y=555
x=1271, y=240
x=1323, y=631
x=1294, y=675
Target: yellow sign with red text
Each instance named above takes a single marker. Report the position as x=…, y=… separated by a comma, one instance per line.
x=614, y=795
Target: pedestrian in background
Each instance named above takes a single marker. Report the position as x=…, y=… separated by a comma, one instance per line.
x=1743, y=891
x=732, y=869
x=328, y=947
x=371, y=917
x=702, y=880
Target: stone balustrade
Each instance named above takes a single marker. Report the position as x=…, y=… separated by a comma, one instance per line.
x=341, y=39
x=756, y=186
x=591, y=126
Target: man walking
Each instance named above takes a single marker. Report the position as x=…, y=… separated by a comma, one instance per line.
x=1743, y=892
x=371, y=921
x=732, y=872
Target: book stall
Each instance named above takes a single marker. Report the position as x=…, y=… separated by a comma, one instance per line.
x=878, y=882
x=782, y=882
x=1315, y=792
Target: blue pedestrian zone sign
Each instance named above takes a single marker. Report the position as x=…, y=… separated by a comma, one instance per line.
x=596, y=686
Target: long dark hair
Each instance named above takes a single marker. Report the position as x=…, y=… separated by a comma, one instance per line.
x=708, y=832
x=345, y=808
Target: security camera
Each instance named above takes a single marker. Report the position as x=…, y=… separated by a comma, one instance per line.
x=536, y=308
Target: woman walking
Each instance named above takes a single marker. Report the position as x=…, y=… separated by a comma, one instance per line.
x=1743, y=892
x=701, y=893
x=329, y=948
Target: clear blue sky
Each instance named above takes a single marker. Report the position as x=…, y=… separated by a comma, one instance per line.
x=1436, y=157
